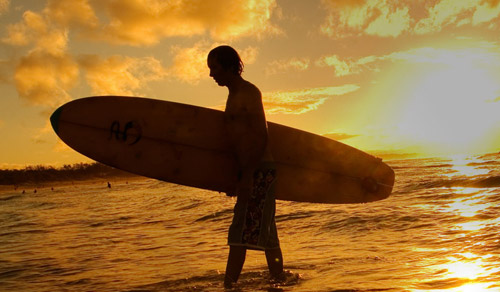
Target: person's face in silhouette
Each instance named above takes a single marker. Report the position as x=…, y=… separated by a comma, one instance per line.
x=218, y=73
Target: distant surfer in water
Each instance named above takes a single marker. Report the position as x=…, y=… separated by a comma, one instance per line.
x=253, y=225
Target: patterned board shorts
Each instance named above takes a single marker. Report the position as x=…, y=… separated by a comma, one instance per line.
x=254, y=226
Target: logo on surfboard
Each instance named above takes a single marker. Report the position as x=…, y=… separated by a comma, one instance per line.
x=130, y=135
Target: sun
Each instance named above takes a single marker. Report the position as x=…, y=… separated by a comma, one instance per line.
x=450, y=106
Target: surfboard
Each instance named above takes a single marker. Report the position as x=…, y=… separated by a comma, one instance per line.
x=187, y=145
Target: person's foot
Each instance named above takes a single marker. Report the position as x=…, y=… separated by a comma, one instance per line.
x=228, y=282
x=285, y=278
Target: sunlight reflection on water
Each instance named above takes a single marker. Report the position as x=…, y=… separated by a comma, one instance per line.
x=464, y=271
x=466, y=165
x=469, y=287
x=460, y=273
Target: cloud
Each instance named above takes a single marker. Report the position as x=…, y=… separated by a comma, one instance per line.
x=389, y=23
x=44, y=79
x=302, y=101
x=348, y=66
x=146, y=22
x=444, y=13
x=459, y=13
x=491, y=3
x=248, y=55
x=190, y=64
x=18, y=34
x=386, y=18
x=49, y=28
x=294, y=64
x=373, y=17
x=4, y=6
x=486, y=11
x=118, y=75
x=37, y=29
x=47, y=72
x=483, y=54
x=342, y=68
x=74, y=13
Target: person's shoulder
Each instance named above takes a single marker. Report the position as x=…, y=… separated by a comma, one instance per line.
x=251, y=88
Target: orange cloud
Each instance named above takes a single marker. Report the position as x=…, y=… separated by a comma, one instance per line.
x=190, y=64
x=22, y=33
x=293, y=64
x=4, y=6
x=348, y=66
x=302, y=101
x=484, y=54
x=386, y=18
x=37, y=29
x=47, y=72
x=118, y=75
x=459, y=13
x=48, y=29
x=146, y=22
x=342, y=67
x=491, y=3
x=78, y=13
x=44, y=79
x=373, y=17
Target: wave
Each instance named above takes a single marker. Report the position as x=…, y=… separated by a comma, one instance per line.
x=217, y=216
x=10, y=198
x=481, y=163
x=422, y=166
x=488, y=182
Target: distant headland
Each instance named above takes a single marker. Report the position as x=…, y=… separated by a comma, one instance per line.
x=40, y=173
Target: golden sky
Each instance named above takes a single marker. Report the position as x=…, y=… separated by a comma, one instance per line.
x=388, y=77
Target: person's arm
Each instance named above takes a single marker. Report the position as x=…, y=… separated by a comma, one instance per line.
x=251, y=144
x=249, y=131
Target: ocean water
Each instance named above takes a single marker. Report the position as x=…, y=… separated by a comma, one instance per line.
x=439, y=231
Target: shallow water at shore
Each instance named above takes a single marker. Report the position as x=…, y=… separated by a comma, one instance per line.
x=437, y=232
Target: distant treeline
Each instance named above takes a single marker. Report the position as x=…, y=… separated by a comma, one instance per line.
x=41, y=173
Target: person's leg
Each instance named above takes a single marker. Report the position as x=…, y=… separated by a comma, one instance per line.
x=235, y=262
x=275, y=263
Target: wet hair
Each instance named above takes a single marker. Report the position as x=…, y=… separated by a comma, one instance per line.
x=228, y=58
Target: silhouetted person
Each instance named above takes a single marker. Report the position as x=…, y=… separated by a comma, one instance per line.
x=253, y=225
x=109, y=185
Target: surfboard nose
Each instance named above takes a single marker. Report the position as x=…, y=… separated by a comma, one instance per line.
x=54, y=119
